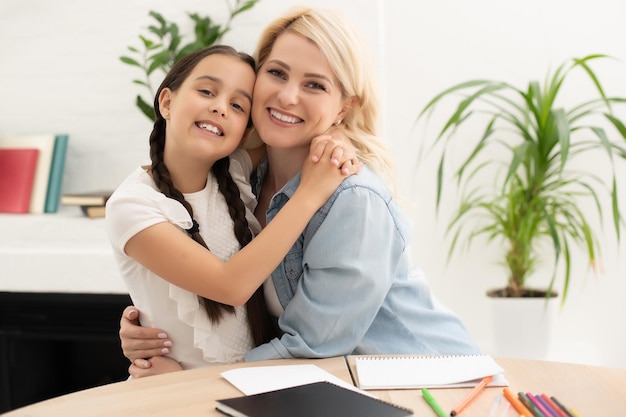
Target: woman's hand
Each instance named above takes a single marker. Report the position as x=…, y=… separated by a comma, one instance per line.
x=141, y=342
x=344, y=154
x=158, y=365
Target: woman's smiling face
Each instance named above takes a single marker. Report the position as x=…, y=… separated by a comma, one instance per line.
x=296, y=95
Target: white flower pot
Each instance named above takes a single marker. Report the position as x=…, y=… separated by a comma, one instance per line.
x=523, y=327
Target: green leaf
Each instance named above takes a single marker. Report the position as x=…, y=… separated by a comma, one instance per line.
x=129, y=61
x=563, y=133
x=146, y=108
x=158, y=17
x=619, y=125
x=246, y=6
x=147, y=43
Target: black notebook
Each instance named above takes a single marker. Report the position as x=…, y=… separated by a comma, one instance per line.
x=319, y=399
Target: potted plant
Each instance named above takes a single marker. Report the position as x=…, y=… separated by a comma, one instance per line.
x=163, y=46
x=529, y=146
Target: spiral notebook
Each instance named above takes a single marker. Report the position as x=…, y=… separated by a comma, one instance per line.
x=414, y=372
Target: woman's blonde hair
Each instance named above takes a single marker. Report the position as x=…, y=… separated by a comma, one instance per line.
x=346, y=51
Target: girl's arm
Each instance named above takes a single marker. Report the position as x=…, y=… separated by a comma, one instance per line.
x=171, y=254
x=344, y=154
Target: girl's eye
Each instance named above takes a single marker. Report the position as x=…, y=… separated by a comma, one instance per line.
x=207, y=93
x=238, y=107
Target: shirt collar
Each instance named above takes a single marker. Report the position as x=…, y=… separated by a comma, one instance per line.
x=256, y=180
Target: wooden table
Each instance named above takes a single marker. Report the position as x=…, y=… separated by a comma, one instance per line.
x=177, y=394
x=591, y=391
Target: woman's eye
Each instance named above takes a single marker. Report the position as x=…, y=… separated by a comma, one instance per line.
x=276, y=73
x=316, y=86
x=207, y=92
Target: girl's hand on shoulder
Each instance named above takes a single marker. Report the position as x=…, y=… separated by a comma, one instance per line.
x=322, y=177
x=344, y=154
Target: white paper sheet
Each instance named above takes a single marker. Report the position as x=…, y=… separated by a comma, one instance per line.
x=257, y=379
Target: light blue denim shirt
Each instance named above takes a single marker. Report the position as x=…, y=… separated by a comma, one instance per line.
x=347, y=286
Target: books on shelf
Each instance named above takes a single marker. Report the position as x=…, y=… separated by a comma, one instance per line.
x=313, y=399
x=93, y=211
x=17, y=176
x=91, y=203
x=44, y=143
x=55, y=180
x=414, y=372
x=90, y=198
x=45, y=190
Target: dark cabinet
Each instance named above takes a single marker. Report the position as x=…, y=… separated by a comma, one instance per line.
x=54, y=344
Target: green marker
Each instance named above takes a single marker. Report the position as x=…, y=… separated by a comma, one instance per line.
x=433, y=404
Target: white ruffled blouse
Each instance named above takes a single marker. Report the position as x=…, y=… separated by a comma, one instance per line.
x=136, y=205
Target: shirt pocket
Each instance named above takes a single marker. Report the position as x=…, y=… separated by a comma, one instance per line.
x=292, y=268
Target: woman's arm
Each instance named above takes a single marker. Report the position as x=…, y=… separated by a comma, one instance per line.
x=158, y=365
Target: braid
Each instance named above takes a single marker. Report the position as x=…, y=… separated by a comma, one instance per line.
x=236, y=208
x=261, y=325
x=163, y=180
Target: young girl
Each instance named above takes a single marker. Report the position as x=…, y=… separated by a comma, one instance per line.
x=163, y=218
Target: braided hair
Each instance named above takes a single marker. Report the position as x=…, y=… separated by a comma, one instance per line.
x=261, y=325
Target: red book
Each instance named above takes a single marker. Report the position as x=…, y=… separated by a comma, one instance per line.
x=17, y=174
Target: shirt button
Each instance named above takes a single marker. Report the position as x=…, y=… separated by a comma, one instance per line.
x=292, y=273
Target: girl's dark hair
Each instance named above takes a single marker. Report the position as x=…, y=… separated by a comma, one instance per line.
x=258, y=317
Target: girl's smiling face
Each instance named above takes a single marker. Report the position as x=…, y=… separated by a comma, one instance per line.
x=296, y=95
x=209, y=114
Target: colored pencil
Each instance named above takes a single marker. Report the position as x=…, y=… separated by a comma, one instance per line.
x=517, y=404
x=538, y=401
x=562, y=407
x=553, y=406
x=494, y=406
x=529, y=404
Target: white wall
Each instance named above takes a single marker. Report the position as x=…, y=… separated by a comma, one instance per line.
x=437, y=44
x=59, y=71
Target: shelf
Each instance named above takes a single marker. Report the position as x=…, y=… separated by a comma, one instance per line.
x=62, y=252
